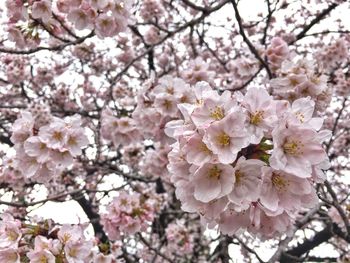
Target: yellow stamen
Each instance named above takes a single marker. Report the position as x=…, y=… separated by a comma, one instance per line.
x=66, y=237
x=293, y=148
x=167, y=104
x=203, y=147
x=294, y=82
x=257, y=117
x=279, y=182
x=12, y=235
x=43, y=259
x=184, y=99
x=170, y=90
x=214, y=172
x=223, y=139
x=300, y=116
x=72, y=141
x=217, y=113
x=238, y=175
x=58, y=136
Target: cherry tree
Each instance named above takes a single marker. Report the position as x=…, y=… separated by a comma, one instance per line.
x=187, y=131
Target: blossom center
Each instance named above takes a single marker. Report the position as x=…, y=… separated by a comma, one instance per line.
x=73, y=252
x=43, y=259
x=238, y=175
x=294, y=147
x=137, y=212
x=170, y=90
x=12, y=235
x=123, y=202
x=12, y=257
x=42, y=146
x=57, y=136
x=66, y=237
x=257, y=117
x=167, y=104
x=217, y=113
x=119, y=7
x=294, y=81
x=279, y=182
x=203, y=147
x=300, y=116
x=223, y=139
x=184, y=99
x=72, y=141
x=214, y=172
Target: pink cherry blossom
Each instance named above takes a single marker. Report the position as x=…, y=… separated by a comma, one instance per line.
x=277, y=52
x=80, y=18
x=197, y=151
x=262, y=113
x=42, y=10
x=70, y=233
x=231, y=222
x=41, y=256
x=296, y=149
x=226, y=138
x=213, y=181
x=34, y=147
x=54, y=135
x=10, y=233
x=77, y=251
x=286, y=192
x=248, y=182
x=213, y=108
x=105, y=26
x=9, y=255
x=22, y=128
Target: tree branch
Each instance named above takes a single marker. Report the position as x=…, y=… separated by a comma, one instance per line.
x=247, y=41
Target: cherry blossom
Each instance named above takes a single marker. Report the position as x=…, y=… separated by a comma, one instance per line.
x=183, y=131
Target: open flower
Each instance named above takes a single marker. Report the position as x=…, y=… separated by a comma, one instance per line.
x=10, y=232
x=261, y=113
x=286, y=192
x=34, y=147
x=212, y=107
x=9, y=255
x=213, y=181
x=296, y=149
x=80, y=18
x=42, y=10
x=40, y=256
x=247, y=182
x=227, y=137
x=197, y=151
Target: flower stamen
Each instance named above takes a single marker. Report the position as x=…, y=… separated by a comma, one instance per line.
x=214, y=172
x=223, y=139
x=217, y=113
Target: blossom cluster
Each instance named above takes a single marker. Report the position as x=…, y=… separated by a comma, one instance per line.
x=180, y=241
x=106, y=17
x=246, y=161
x=277, y=52
x=128, y=214
x=179, y=238
x=341, y=83
x=46, y=146
x=157, y=104
x=298, y=79
x=333, y=55
x=15, y=68
x=46, y=242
